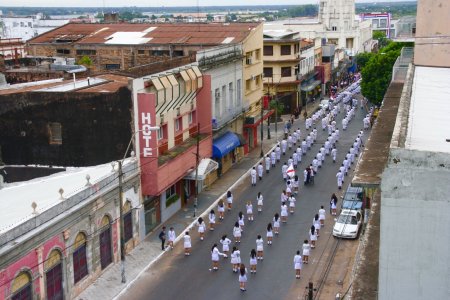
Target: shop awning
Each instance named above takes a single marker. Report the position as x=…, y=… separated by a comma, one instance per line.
x=225, y=144
x=205, y=167
x=311, y=86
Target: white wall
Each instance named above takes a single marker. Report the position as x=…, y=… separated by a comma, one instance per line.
x=27, y=27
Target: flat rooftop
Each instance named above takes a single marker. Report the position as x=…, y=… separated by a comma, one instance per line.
x=429, y=111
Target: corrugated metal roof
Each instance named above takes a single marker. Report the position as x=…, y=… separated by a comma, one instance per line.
x=211, y=33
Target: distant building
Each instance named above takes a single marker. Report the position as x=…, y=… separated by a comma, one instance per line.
x=380, y=22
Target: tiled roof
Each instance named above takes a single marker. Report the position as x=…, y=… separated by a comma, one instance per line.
x=125, y=33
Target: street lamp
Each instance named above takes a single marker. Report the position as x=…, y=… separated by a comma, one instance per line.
x=121, y=228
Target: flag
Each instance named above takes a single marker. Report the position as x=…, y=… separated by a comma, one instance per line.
x=290, y=171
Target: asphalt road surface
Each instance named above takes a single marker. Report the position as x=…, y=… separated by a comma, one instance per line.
x=178, y=277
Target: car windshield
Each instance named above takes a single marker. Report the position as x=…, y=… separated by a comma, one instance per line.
x=347, y=219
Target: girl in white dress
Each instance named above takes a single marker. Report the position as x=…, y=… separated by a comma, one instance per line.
x=221, y=210
x=322, y=214
x=283, y=196
x=269, y=234
x=241, y=220
x=276, y=224
x=229, y=199
x=187, y=244
x=259, y=200
x=291, y=204
x=201, y=228
x=172, y=237
x=333, y=207
x=313, y=236
x=242, y=277
x=225, y=245
x=260, y=248
x=235, y=259
x=215, y=257
x=297, y=264
x=253, y=261
x=295, y=184
x=249, y=208
x=237, y=233
x=306, y=248
x=284, y=212
x=212, y=219
x=316, y=223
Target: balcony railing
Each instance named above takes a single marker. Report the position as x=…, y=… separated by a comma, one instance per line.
x=229, y=114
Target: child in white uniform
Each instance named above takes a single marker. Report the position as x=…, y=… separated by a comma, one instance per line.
x=172, y=237
x=249, y=208
x=221, y=210
x=260, y=247
x=297, y=264
x=259, y=200
x=284, y=212
x=229, y=199
x=237, y=233
x=269, y=234
x=241, y=220
x=187, y=244
x=253, y=261
x=212, y=219
x=235, y=259
x=291, y=204
x=201, y=228
x=306, y=247
x=225, y=245
x=215, y=257
x=276, y=224
x=322, y=214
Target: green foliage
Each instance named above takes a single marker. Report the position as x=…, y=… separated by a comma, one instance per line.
x=279, y=107
x=380, y=36
x=209, y=17
x=85, y=61
x=298, y=11
x=363, y=58
x=171, y=200
x=130, y=15
x=377, y=73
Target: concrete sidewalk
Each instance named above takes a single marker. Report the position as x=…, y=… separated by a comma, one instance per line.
x=109, y=286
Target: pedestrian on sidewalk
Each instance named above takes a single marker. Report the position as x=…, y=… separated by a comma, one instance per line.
x=249, y=208
x=237, y=233
x=242, y=277
x=267, y=161
x=276, y=224
x=260, y=171
x=306, y=249
x=215, y=253
x=284, y=212
x=253, y=176
x=187, y=244
x=292, y=204
x=221, y=210
x=269, y=234
x=162, y=237
x=313, y=236
x=225, y=245
x=322, y=215
x=253, y=261
x=201, y=228
x=297, y=264
x=229, y=199
x=260, y=247
x=212, y=219
x=241, y=221
x=235, y=259
x=259, y=200
x=172, y=237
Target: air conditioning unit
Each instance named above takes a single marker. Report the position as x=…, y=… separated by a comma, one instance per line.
x=253, y=77
x=249, y=61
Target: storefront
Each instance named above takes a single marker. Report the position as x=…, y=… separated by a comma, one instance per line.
x=226, y=149
x=310, y=90
x=152, y=213
x=204, y=175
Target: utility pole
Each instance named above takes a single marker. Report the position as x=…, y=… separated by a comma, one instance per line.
x=197, y=158
x=262, y=123
x=310, y=291
x=121, y=228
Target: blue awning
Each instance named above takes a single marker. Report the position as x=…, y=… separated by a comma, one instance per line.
x=225, y=144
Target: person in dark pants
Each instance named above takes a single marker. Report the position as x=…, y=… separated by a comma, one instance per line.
x=162, y=237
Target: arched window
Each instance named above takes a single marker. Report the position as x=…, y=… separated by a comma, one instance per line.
x=21, y=287
x=105, y=242
x=53, y=276
x=127, y=222
x=80, y=268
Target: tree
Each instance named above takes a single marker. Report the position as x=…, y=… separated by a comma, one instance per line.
x=363, y=58
x=380, y=36
x=85, y=61
x=279, y=107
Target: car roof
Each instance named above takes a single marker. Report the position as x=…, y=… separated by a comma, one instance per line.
x=350, y=212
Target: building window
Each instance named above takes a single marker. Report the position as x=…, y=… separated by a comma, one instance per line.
x=159, y=52
x=258, y=81
x=141, y=52
x=105, y=242
x=21, y=288
x=258, y=54
x=248, y=58
x=171, y=191
x=127, y=222
x=268, y=51
x=160, y=133
x=178, y=53
x=286, y=71
x=53, y=276
x=217, y=103
x=230, y=95
x=179, y=124
x=80, y=269
x=285, y=49
x=63, y=51
x=192, y=117
x=248, y=85
x=86, y=52
x=238, y=92
x=268, y=72
x=334, y=28
x=54, y=133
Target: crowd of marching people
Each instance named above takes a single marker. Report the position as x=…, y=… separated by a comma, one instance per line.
x=292, y=143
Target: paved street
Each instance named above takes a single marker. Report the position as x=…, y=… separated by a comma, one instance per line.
x=176, y=276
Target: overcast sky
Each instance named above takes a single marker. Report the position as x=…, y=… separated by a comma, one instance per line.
x=158, y=3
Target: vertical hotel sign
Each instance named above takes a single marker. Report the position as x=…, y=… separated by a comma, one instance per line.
x=147, y=139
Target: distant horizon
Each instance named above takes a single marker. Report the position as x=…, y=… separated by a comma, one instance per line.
x=32, y=4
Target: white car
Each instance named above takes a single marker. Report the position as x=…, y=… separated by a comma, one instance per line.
x=348, y=224
x=325, y=104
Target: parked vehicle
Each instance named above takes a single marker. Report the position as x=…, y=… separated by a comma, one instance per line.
x=353, y=198
x=348, y=224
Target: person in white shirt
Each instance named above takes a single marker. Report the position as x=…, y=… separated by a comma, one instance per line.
x=267, y=161
x=284, y=171
x=284, y=212
x=319, y=159
x=273, y=158
x=249, y=208
x=241, y=220
x=276, y=224
x=221, y=210
x=295, y=184
x=269, y=234
x=237, y=233
x=297, y=264
x=309, y=141
x=322, y=151
x=212, y=219
x=346, y=166
x=225, y=245
x=292, y=204
x=260, y=247
x=333, y=154
x=242, y=277
x=313, y=236
x=315, y=164
x=253, y=261
x=278, y=152
x=215, y=257
x=187, y=244
x=295, y=159
x=322, y=214
x=340, y=179
x=306, y=249
x=290, y=142
x=235, y=259
x=304, y=147
x=229, y=199
x=253, y=176
x=344, y=123
x=316, y=223
x=172, y=237
x=201, y=228
x=283, y=197
x=290, y=161
x=260, y=171
x=327, y=146
x=283, y=146
x=259, y=201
